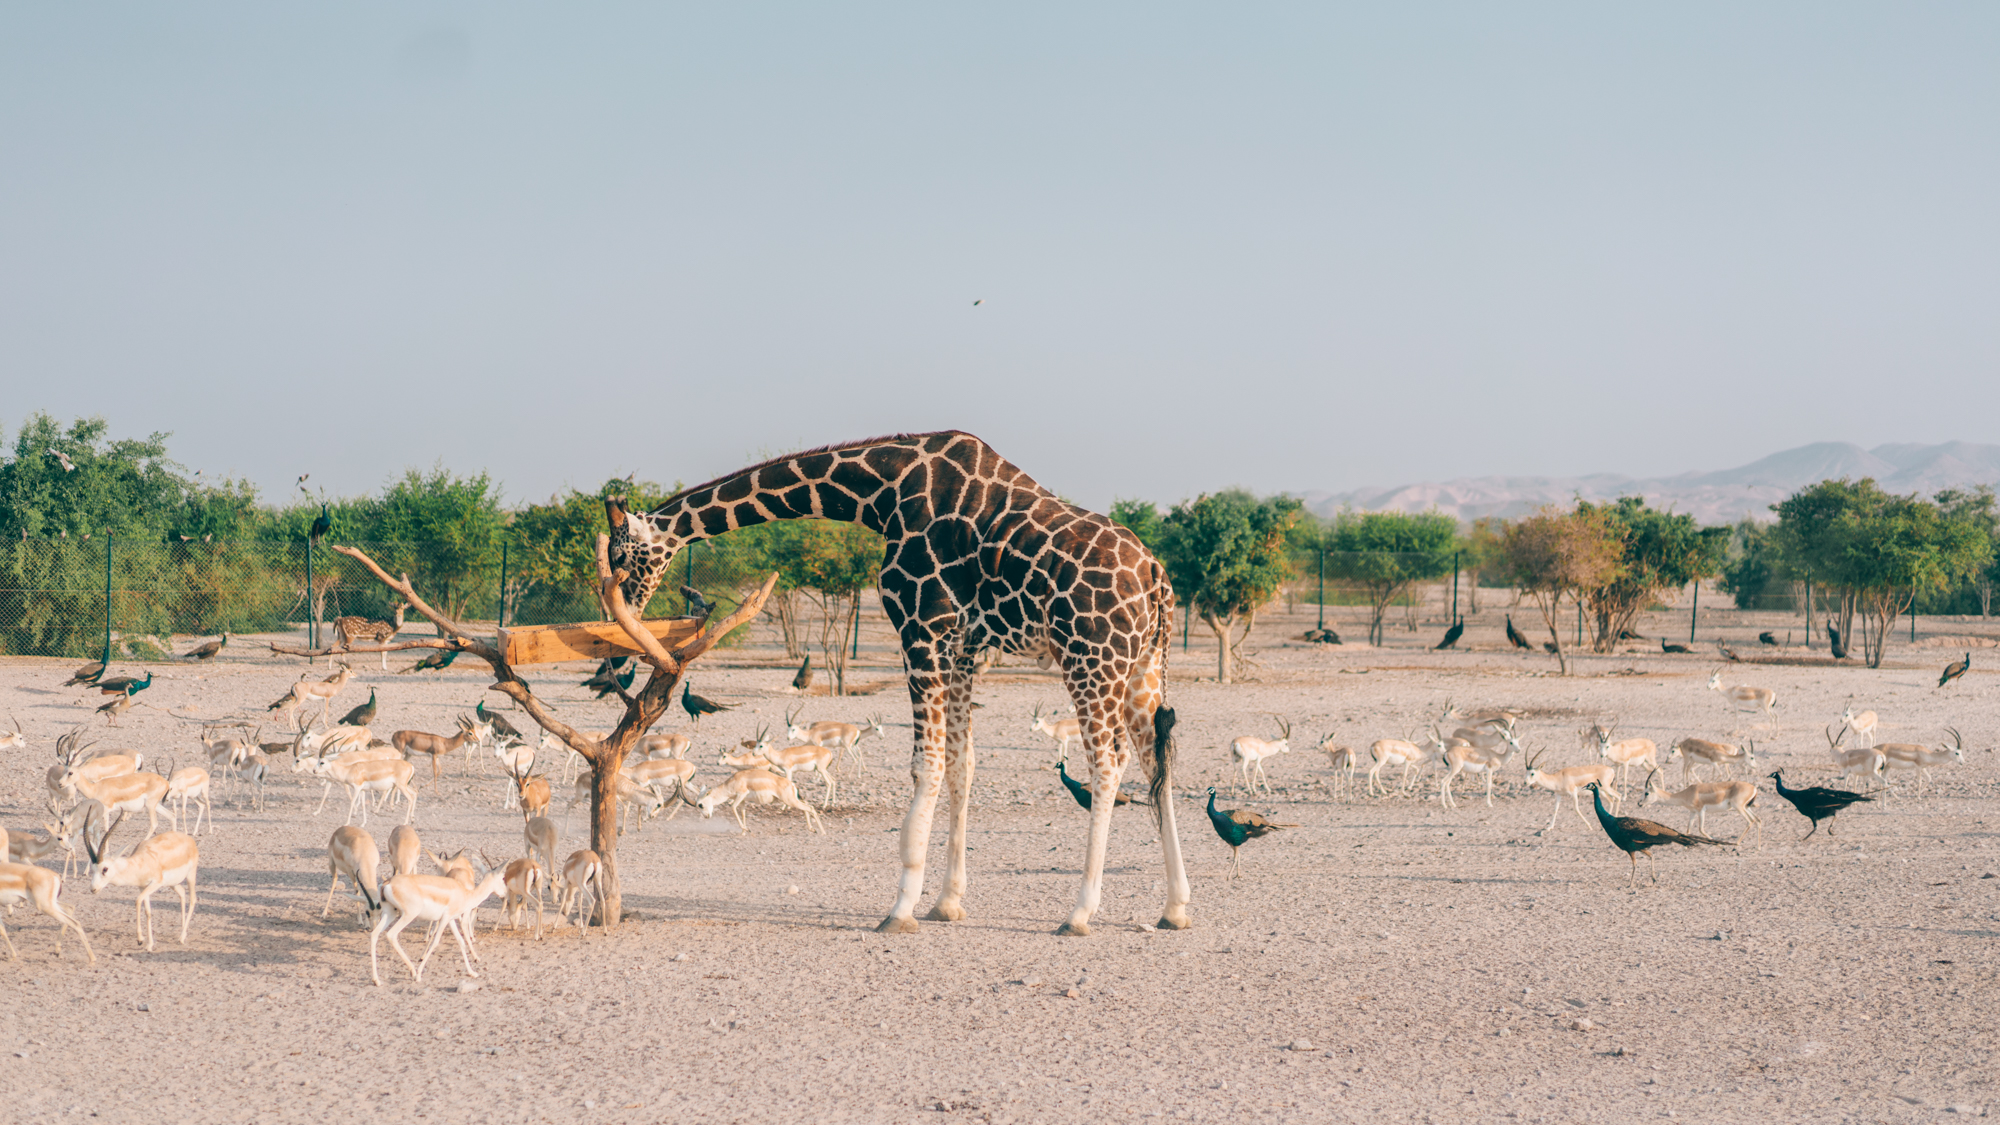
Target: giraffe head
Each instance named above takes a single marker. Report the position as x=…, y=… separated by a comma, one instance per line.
x=639, y=549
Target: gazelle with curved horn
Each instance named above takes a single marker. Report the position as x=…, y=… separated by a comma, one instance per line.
x=13, y=739
x=1862, y=761
x=127, y=792
x=1064, y=731
x=1911, y=756
x=169, y=859
x=1570, y=781
x=1248, y=752
x=1626, y=752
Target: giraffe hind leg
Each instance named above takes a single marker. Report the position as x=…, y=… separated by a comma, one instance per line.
x=958, y=771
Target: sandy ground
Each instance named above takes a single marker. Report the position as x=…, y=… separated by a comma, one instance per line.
x=1386, y=960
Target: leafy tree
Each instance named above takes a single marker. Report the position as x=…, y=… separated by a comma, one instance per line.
x=554, y=544
x=1657, y=551
x=830, y=564
x=1901, y=547
x=1976, y=507
x=1554, y=553
x=1481, y=551
x=450, y=528
x=1225, y=554
x=1386, y=552
x=1755, y=571
x=1141, y=518
x=125, y=488
x=1814, y=526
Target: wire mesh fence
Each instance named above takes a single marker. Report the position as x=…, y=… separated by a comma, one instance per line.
x=78, y=597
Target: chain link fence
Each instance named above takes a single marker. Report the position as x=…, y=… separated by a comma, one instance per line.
x=75, y=597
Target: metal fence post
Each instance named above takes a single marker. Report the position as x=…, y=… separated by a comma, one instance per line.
x=1695, y=610
x=1322, y=593
x=1454, y=584
x=312, y=618
x=108, y=539
x=503, y=582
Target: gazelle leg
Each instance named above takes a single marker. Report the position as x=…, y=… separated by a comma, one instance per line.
x=14, y=955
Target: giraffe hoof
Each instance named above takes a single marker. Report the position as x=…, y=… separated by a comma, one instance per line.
x=946, y=912
x=895, y=925
x=1175, y=920
x=1073, y=929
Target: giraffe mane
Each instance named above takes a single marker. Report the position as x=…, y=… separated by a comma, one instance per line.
x=833, y=448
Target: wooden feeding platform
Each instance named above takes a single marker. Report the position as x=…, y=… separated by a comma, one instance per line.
x=588, y=640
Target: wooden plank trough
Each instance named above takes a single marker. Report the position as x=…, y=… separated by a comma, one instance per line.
x=588, y=640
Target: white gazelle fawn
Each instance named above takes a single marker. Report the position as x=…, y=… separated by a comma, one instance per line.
x=1248, y=752
x=169, y=859
x=1743, y=697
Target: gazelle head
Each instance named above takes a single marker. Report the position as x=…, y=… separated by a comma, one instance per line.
x=101, y=867
x=1715, y=680
x=1957, y=744
x=760, y=743
x=1534, y=771
x=1284, y=743
x=793, y=730
x=872, y=726
x=1833, y=741
x=13, y=739
x=1654, y=795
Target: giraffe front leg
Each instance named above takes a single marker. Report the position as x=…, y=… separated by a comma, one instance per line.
x=927, y=776
x=1106, y=764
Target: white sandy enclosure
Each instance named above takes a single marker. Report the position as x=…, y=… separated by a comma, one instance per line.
x=1385, y=960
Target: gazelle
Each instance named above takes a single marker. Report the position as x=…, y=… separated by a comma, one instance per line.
x=1064, y=731
x=1742, y=697
x=1394, y=752
x=517, y=758
x=1487, y=734
x=189, y=784
x=13, y=739
x=225, y=752
x=1342, y=760
x=1696, y=752
x=1699, y=798
x=656, y=746
x=531, y=793
x=410, y=743
x=633, y=799
x=659, y=775
x=761, y=785
x=252, y=772
x=540, y=836
x=24, y=883
x=521, y=878
x=1249, y=751
x=1861, y=724
x=1626, y=752
x=405, y=849
x=352, y=853
x=1461, y=756
x=1911, y=756
x=428, y=898
x=1569, y=782
x=131, y=792
x=790, y=760
x=304, y=694
x=580, y=872
x=23, y=848
x=366, y=777
x=169, y=859
x=842, y=737
x=1862, y=761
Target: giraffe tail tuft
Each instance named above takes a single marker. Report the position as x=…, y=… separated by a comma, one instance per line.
x=1162, y=788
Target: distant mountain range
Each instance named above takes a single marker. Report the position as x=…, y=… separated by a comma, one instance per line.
x=1717, y=497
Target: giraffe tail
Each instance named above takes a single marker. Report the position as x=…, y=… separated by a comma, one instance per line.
x=1161, y=790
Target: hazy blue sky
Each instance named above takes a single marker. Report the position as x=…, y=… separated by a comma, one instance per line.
x=1288, y=247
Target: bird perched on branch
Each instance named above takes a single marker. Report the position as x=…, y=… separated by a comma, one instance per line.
x=88, y=674
x=1817, y=802
x=1633, y=835
x=613, y=674
x=1767, y=639
x=1955, y=669
x=1673, y=648
x=125, y=685
x=804, y=678
x=698, y=606
x=1515, y=636
x=208, y=651
x=361, y=716
x=1082, y=792
x=1833, y=642
x=1236, y=828
x=440, y=659
x=1451, y=635
x=696, y=706
x=501, y=727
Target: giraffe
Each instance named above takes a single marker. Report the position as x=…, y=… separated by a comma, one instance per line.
x=980, y=559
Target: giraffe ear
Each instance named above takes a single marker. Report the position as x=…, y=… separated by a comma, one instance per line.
x=614, y=511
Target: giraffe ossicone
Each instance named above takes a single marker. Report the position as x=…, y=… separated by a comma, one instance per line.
x=979, y=559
